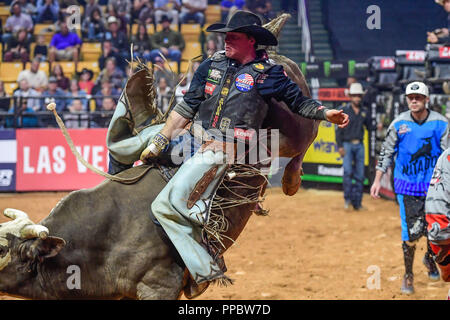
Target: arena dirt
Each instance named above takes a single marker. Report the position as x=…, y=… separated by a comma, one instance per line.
x=308, y=247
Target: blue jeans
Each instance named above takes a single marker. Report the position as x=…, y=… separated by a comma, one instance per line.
x=174, y=55
x=198, y=17
x=353, y=170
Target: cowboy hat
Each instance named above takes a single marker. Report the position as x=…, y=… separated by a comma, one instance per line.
x=356, y=88
x=248, y=23
x=89, y=71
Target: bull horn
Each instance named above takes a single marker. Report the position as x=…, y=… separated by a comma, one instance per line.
x=34, y=231
x=14, y=213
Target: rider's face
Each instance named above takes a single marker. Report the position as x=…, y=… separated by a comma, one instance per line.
x=416, y=102
x=238, y=45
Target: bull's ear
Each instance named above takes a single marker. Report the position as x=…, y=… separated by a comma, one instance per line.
x=49, y=247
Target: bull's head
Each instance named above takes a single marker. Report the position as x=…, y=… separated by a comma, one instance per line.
x=23, y=245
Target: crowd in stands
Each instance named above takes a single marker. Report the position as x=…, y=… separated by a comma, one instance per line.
x=153, y=27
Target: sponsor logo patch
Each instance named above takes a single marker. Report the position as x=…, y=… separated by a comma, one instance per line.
x=258, y=66
x=214, y=75
x=5, y=177
x=404, y=129
x=262, y=78
x=244, y=82
x=224, y=124
x=209, y=88
x=244, y=134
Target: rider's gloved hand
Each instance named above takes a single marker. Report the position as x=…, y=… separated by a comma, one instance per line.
x=158, y=144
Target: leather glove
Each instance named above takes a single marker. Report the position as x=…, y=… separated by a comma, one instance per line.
x=158, y=144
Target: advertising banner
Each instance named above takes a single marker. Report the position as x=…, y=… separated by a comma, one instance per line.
x=8, y=154
x=46, y=163
x=322, y=161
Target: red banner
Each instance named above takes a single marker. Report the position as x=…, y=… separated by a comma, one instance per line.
x=333, y=94
x=444, y=52
x=45, y=161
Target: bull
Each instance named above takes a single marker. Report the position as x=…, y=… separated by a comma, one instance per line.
x=106, y=234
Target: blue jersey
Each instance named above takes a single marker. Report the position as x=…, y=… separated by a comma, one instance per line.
x=415, y=149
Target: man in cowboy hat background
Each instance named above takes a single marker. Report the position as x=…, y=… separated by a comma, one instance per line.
x=229, y=92
x=351, y=147
x=415, y=139
x=167, y=41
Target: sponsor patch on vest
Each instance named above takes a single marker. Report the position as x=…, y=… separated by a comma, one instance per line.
x=209, y=88
x=244, y=134
x=258, y=66
x=214, y=75
x=224, y=124
x=244, y=82
x=262, y=78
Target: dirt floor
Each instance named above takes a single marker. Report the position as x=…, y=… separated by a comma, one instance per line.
x=308, y=247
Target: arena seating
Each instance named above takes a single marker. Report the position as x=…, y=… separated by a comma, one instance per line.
x=352, y=39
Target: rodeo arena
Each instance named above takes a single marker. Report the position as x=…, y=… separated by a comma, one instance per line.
x=224, y=150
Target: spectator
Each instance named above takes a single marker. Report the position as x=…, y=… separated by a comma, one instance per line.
x=103, y=117
x=137, y=7
x=182, y=88
x=123, y=8
x=61, y=80
x=89, y=7
x=121, y=21
x=441, y=35
x=351, y=147
x=107, y=90
x=163, y=94
x=263, y=8
x=85, y=83
x=93, y=26
x=29, y=9
x=112, y=73
x=227, y=7
x=118, y=38
x=25, y=91
x=41, y=49
x=141, y=43
x=53, y=94
x=109, y=52
x=4, y=98
x=161, y=71
x=64, y=45
x=76, y=118
x=168, y=8
x=193, y=10
x=18, y=47
x=21, y=107
x=168, y=42
x=146, y=13
x=76, y=93
x=218, y=38
x=211, y=48
x=17, y=21
x=36, y=78
x=47, y=10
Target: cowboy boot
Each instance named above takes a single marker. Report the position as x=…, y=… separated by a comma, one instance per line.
x=408, y=278
x=428, y=261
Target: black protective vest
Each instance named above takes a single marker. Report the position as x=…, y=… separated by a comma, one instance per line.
x=232, y=100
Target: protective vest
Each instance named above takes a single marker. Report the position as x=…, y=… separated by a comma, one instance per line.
x=232, y=100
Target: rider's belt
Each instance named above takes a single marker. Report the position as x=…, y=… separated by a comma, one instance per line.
x=355, y=141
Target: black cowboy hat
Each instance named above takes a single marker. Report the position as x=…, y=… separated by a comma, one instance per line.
x=89, y=71
x=248, y=23
x=165, y=18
